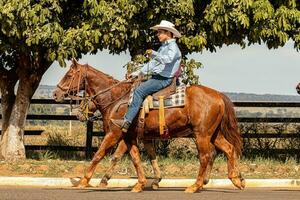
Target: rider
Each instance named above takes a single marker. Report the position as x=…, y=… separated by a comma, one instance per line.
x=164, y=64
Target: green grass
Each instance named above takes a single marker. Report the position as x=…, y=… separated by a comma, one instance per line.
x=178, y=159
x=170, y=168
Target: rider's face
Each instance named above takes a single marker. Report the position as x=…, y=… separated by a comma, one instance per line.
x=163, y=35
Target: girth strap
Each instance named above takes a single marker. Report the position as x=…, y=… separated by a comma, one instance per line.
x=162, y=122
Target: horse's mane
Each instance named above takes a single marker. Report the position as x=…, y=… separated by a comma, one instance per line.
x=109, y=77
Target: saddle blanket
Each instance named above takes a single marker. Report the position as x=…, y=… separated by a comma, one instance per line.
x=175, y=100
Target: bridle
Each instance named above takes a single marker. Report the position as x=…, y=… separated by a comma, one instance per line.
x=68, y=91
x=82, y=102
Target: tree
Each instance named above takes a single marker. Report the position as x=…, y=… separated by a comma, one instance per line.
x=35, y=33
x=30, y=38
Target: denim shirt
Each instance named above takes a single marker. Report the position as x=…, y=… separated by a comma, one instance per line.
x=165, y=61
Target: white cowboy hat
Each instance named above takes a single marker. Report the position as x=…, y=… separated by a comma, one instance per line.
x=166, y=25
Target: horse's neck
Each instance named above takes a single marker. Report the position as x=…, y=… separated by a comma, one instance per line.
x=98, y=81
x=104, y=88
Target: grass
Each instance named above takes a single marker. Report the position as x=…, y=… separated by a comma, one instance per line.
x=178, y=159
x=46, y=166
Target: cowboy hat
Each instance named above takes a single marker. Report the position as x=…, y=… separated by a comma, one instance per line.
x=166, y=25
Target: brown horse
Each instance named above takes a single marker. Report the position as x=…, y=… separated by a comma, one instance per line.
x=208, y=114
x=122, y=149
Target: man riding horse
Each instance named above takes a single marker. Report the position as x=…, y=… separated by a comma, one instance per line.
x=164, y=64
x=207, y=115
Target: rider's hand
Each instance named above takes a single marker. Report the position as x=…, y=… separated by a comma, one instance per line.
x=133, y=75
x=149, y=52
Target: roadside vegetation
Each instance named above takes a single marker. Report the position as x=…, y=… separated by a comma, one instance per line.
x=177, y=157
x=50, y=164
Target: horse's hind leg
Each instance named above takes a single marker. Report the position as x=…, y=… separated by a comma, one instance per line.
x=213, y=154
x=120, y=151
x=148, y=144
x=233, y=172
x=109, y=141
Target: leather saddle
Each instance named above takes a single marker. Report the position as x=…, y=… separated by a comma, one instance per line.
x=167, y=91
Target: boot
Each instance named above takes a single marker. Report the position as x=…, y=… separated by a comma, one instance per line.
x=123, y=124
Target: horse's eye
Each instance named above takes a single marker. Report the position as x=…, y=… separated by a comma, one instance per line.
x=69, y=75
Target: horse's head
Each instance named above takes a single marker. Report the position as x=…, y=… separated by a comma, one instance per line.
x=298, y=88
x=71, y=83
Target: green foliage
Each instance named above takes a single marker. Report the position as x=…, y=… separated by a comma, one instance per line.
x=275, y=23
x=136, y=62
x=62, y=29
x=188, y=71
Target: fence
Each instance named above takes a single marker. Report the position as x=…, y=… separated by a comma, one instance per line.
x=90, y=133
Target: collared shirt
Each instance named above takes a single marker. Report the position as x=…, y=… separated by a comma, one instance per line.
x=165, y=61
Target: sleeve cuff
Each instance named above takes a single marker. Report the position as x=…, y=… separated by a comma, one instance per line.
x=154, y=53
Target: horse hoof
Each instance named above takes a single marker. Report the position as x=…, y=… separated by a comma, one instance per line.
x=243, y=183
x=83, y=183
x=103, y=185
x=205, y=182
x=155, y=186
x=192, y=189
x=239, y=183
x=137, y=188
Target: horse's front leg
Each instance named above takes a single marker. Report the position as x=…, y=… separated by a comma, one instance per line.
x=136, y=159
x=109, y=141
x=149, y=147
x=120, y=151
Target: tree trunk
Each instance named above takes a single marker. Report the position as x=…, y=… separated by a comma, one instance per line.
x=12, y=140
x=12, y=143
x=7, y=100
x=8, y=81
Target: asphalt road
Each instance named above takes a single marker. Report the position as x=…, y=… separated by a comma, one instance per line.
x=27, y=193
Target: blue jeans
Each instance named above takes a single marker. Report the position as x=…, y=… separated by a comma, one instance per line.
x=146, y=88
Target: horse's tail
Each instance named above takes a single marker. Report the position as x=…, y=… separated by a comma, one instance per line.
x=229, y=126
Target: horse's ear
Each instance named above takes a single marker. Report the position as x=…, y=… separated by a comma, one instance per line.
x=74, y=62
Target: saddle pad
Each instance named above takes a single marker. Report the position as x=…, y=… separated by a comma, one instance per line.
x=175, y=100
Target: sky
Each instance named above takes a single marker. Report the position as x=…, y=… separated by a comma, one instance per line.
x=255, y=69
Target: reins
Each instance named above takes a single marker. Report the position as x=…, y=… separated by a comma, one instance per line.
x=84, y=104
x=91, y=98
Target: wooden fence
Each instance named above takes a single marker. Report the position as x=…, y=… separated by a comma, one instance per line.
x=90, y=132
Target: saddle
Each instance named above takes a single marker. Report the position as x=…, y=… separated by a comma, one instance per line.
x=169, y=97
x=167, y=91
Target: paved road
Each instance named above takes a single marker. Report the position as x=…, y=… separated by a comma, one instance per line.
x=26, y=193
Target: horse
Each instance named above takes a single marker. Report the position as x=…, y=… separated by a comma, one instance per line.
x=207, y=113
x=122, y=149
x=298, y=88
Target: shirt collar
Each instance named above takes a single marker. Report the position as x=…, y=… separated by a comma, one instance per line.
x=168, y=41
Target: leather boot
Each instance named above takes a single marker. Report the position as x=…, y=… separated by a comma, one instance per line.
x=123, y=124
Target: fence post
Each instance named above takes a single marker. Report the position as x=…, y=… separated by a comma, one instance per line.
x=89, y=140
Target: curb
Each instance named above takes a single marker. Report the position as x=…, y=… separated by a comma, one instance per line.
x=213, y=183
